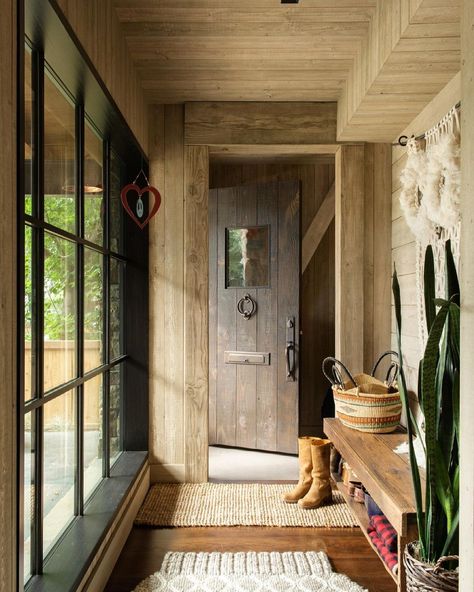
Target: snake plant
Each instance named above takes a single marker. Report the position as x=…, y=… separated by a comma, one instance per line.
x=438, y=397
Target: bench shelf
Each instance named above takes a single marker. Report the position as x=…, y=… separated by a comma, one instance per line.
x=386, y=476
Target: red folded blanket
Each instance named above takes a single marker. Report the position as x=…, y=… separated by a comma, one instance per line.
x=385, y=531
x=391, y=559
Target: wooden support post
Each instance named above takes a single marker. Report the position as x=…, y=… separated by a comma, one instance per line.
x=167, y=295
x=196, y=314
x=317, y=229
x=349, y=186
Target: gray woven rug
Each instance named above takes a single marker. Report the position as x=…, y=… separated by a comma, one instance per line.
x=235, y=504
x=247, y=572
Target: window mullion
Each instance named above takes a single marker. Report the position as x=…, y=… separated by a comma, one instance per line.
x=79, y=481
x=106, y=319
x=38, y=307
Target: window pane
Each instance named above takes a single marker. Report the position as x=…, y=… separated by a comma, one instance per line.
x=59, y=311
x=115, y=443
x=59, y=467
x=247, y=257
x=28, y=131
x=93, y=309
x=29, y=352
x=59, y=154
x=93, y=437
x=115, y=209
x=93, y=196
x=29, y=494
x=116, y=282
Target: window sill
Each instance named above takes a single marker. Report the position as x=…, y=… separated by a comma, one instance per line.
x=69, y=561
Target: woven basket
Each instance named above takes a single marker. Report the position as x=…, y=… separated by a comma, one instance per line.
x=372, y=407
x=424, y=577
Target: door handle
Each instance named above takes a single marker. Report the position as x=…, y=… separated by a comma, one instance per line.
x=290, y=364
x=290, y=349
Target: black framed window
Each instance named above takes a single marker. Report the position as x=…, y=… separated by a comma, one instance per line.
x=74, y=350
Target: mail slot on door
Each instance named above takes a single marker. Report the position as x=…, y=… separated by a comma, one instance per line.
x=247, y=358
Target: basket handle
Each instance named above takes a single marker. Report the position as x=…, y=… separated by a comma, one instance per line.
x=392, y=373
x=335, y=378
x=444, y=559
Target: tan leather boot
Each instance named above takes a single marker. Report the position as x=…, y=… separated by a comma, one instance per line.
x=305, y=463
x=320, y=489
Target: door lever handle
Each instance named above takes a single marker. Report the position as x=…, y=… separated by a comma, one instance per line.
x=290, y=364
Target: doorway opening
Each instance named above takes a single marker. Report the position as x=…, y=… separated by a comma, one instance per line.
x=271, y=313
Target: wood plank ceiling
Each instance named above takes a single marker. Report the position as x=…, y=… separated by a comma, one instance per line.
x=244, y=50
x=382, y=60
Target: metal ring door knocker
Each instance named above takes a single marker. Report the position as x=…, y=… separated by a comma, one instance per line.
x=247, y=313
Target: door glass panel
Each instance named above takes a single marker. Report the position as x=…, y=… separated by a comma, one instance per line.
x=93, y=194
x=59, y=467
x=59, y=158
x=247, y=250
x=93, y=437
x=59, y=310
x=28, y=493
x=93, y=309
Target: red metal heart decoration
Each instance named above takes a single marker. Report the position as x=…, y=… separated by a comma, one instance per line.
x=140, y=192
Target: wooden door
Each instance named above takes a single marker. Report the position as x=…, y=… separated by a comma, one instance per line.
x=254, y=255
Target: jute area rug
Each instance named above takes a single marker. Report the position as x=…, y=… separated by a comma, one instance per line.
x=235, y=504
x=247, y=572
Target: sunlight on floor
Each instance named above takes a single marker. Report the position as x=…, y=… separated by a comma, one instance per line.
x=233, y=464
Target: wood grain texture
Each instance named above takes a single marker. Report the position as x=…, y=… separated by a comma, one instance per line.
x=8, y=296
x=377, y=257
x=99, y=31
x=348, y=551
x=224, y=333
x=350, y=191
x=260, y=123
x=466, y=529
x=385, y=476
x=408, y=56
x=316, y=286
x=318, y=227
x=167, y=288
x=247, y=397
x=196, y=314
x=249, y=51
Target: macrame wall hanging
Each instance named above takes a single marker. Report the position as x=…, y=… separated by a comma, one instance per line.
x=430, y=201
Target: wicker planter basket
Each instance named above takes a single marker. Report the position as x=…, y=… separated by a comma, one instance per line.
x=424, y=577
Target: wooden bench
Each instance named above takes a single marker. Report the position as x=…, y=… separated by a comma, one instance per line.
x=386, y=476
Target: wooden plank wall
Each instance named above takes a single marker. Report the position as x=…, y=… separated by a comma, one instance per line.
x=466, y=526
x=98, y=29
x=196, y=313
x=167, y=295
x=8, y=296
x=317, y=283
x=403, y=241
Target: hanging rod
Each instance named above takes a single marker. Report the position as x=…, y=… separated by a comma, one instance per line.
x=403, y=140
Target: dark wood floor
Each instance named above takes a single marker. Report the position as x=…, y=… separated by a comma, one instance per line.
x=347, y=549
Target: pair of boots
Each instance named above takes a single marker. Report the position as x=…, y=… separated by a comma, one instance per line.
x=314, y=486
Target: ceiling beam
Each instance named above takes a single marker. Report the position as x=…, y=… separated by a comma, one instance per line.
x=410, y=54
x=260, y=123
